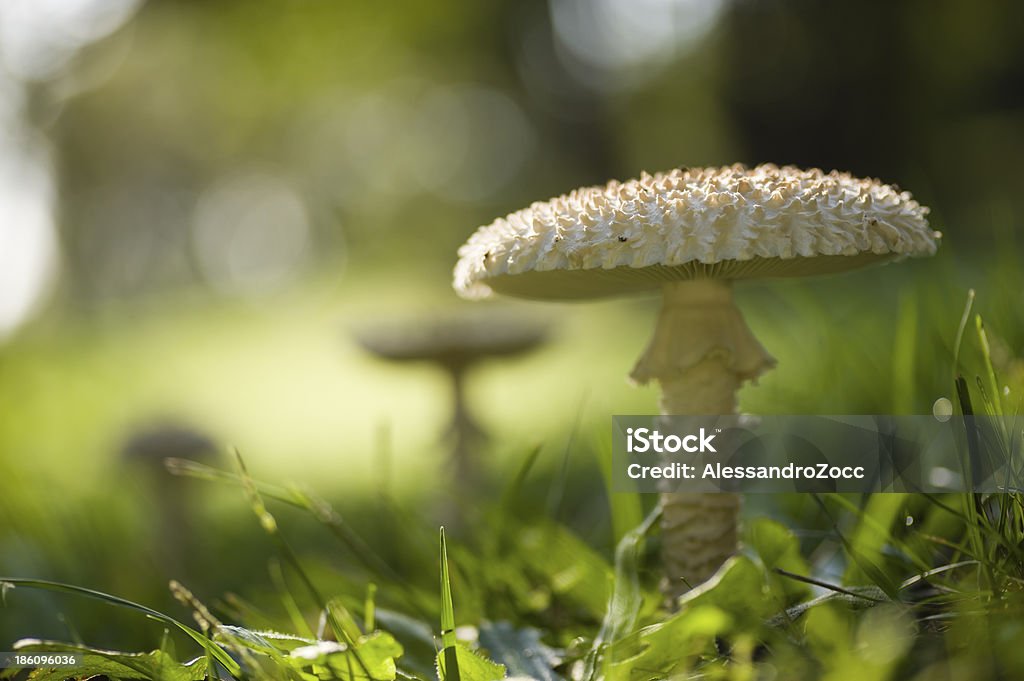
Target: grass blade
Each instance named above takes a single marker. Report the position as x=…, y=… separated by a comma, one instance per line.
x=319, y=509
x=960, y=332
x=269, y=524
x=290, y=606
x=626, y=599
x=448, y=641
x=990, y=370
x=212, y=650
x=872, y=571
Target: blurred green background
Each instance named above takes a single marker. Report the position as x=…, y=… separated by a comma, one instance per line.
x=201, y=202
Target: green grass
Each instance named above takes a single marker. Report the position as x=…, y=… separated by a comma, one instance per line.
x=757, y=612
x=548, y=574
x=944, y=590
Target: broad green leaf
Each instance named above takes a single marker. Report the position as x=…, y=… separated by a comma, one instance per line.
x=778, y=548
x=569, y=567
x=155, y=665
x=668, y=648
x=377, y=651
x=735, y=595
x=264, y=642
x=472, y=667
x=262, y=653
x=738, y=588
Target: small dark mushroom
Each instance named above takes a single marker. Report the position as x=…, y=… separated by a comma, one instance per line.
x=146, y=449
x=456, y=343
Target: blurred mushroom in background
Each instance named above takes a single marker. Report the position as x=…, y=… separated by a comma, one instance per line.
x=145, y=451
x=456, y=343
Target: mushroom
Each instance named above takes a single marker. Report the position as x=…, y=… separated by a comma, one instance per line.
x=456, y=343
x=691, y=233
x=148, y=448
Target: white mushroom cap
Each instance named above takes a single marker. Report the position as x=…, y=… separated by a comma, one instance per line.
x=726, y=223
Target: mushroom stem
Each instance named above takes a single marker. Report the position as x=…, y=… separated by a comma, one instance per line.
x=701, y=353
x=465, y=432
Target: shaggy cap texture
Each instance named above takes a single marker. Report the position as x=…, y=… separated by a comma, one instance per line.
x=729, y=223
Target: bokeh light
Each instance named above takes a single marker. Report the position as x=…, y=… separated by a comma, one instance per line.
x=39, y=37
x=479, y=140
x=28, y=240
x=621, y=43
x=251, y=234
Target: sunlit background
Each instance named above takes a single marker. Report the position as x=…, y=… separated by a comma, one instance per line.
x=203, y=203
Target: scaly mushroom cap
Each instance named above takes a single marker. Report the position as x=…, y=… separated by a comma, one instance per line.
x=727, y=223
